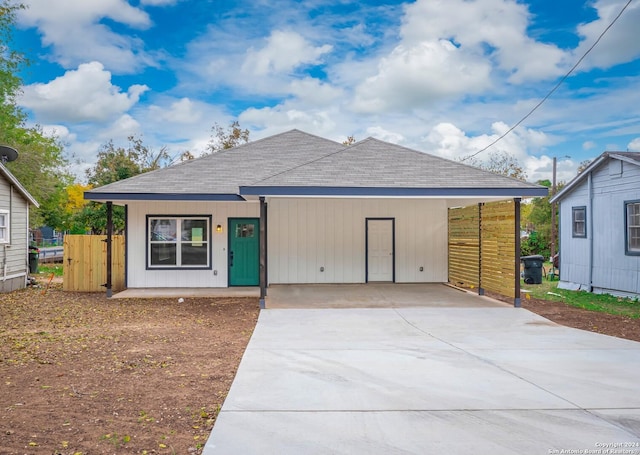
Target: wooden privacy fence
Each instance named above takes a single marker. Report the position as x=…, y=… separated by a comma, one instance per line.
x=482, y=247
x=85, y=263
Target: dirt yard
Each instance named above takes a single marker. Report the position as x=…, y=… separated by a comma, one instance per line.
x=82, y=374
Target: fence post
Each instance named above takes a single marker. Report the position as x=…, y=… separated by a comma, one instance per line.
x=109, y=247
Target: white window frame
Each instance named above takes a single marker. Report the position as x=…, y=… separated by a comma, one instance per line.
x=632, y=227
x=5, y=226
x=177, y=240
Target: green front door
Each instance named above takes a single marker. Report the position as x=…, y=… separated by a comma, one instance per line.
x=244, y=252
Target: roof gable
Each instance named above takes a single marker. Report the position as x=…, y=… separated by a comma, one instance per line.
x=21, y=189
x=628, y=157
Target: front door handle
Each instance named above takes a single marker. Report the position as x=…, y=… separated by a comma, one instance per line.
x=231, y=259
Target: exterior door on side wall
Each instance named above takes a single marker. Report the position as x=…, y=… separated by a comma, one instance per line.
x=244, y=252
x=380, y=250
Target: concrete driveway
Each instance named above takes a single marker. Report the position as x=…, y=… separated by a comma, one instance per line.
x=422, y=380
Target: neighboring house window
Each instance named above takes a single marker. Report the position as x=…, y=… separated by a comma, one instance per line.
x=4, y=226
x=178, y=241
x=632, y=223
x=579, y=221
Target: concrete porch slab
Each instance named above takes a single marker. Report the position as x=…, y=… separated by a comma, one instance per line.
x=373, y=295
x=170, y=293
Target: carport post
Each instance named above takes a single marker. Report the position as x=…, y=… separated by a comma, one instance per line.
x=109, y=246
x=516, y=300
x=263, y=251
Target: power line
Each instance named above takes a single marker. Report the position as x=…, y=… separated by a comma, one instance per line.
x=554, y=88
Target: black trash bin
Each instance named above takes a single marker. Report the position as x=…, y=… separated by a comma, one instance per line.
x=34, y=254
x=532, y=268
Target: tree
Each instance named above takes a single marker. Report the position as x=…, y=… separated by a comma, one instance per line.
x=41, y=166
x=349, y=141
x=583, y=165
x=116, y=163
x=538, y=220
x=501, y=163
x=222, y=139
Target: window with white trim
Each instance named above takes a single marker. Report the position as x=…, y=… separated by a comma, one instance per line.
x=4, y=226
x=632, y=224
x=579, y=221
x=178, y=242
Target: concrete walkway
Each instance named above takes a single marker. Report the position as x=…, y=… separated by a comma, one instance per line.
x=465, y=380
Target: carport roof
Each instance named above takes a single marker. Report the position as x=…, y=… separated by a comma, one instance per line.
x=295, y=163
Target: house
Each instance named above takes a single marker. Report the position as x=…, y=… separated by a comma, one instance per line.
x=600, y=226
x=326, y=213
x=15, y=202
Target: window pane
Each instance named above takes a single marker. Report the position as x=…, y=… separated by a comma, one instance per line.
x=634, y=239
x=163, y=230
x=195, y=230
x=194, y=254
x=163, y=254
x=244, y=230
x=633, y=226
x=3, y=233
x=3, y=220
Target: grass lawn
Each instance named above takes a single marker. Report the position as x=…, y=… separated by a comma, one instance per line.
x=604, y=303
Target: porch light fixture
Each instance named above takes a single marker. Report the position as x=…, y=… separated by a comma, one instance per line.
x=219, y=228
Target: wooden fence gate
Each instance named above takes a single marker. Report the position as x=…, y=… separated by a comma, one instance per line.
x=85, y=263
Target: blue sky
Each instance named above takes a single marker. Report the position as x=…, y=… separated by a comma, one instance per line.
x=445, y=77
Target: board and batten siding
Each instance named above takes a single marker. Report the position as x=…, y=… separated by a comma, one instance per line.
x=140, y=277
x=613, y=270
x=306, y=235
x=14, y=255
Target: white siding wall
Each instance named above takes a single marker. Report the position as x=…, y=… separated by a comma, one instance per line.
x=612, y=269
x=14, y=254
x=139, y=277
x=307, y=234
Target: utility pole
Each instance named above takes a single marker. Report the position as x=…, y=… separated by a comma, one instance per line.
x=553, y=212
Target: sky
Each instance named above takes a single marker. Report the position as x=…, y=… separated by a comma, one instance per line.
x=446, y=77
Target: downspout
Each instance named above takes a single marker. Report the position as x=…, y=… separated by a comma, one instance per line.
x=480, y=288
x=590, y=230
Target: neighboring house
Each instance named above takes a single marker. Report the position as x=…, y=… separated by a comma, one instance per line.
x=600, y=226
x=331, y=213
x=14, y=231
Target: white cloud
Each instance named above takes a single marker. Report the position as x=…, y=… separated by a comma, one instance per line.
x=81, y=95
x=74, y=30
x=588, y=145
x=450, y=49
x=620, y=44
x=183, y=111
x=123, y=127
x=420, y=75
x=449, y=141
x=315, y=92
x=271, y=120
x=634, y=145
x=385, y=135
x=284, y=52
x=496, y=29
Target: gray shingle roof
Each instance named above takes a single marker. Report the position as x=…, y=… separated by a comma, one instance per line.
x=298, y=159
x=374, y=163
